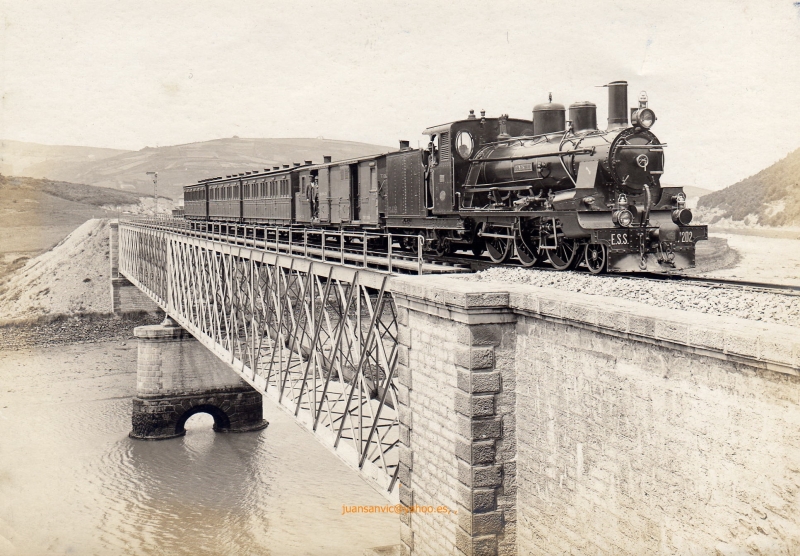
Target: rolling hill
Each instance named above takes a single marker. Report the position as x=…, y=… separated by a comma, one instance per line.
x=18, y=158
x=180, y=165
x=769, y=198
x=36, y=214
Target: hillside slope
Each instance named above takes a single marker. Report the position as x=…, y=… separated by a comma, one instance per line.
x=35, y=214
x=18, y=158
x=769, y=198
x=180, y=165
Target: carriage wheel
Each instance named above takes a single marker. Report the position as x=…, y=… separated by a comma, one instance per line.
x=443, y=246
x=498, y=248
x=565, y=256
x=526, y=251
x=410, y=244
x=596, y=257
x=478, y=246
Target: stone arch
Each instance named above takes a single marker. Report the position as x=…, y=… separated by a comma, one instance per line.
x=222, y=422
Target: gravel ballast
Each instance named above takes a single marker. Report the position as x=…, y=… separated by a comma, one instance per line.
x=717, y=300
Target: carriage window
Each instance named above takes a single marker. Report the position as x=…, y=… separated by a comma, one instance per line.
x=464, y=144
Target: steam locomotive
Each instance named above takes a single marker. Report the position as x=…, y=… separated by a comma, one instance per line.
x=548, y=190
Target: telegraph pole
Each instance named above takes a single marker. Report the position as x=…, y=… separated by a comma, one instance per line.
x=155, y=189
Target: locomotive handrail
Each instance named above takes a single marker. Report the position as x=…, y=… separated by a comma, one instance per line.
x=529, y=156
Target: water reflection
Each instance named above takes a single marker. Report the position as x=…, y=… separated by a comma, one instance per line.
x=185, y=495
x=72, y=482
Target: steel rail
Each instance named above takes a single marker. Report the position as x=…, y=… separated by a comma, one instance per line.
x=476, y=264
x=461, y=263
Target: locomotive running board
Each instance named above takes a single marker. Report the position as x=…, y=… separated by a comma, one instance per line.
x=422, y=222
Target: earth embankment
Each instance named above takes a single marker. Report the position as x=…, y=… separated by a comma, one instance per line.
x=70, y=279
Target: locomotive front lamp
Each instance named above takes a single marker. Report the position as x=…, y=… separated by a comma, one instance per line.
x=622, y=218
x=644, y=117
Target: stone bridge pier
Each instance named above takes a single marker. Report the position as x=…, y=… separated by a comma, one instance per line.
x=177, y=377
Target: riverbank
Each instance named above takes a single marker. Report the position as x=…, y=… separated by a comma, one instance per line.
x=71, y=329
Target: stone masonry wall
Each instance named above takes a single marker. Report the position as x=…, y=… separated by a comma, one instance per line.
x=127, y=298
x=176, y=364
x=626, y=447
x=456, y=375
x=431, y=429
x=176, y=376
x=634, y=430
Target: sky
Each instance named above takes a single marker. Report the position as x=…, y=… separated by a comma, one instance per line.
x=722, y=77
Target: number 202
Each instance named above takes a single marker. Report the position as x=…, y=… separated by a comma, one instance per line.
x=686, y=237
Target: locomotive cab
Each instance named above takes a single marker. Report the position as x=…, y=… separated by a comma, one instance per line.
x=451, y=148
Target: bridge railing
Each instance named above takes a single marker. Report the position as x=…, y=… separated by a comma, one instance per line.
x=319, y=338
x=391, y=252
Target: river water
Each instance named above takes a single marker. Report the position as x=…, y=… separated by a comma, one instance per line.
x=72, y=482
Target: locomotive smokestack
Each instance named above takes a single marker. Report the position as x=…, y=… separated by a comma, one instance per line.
x=404, y=145
x=326, y=159
x=617, y=104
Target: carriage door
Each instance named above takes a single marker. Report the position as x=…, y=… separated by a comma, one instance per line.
x=355, y=196
x=372, y=202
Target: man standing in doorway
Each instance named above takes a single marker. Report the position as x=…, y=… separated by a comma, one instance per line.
x=315, y=198
x=310, y=197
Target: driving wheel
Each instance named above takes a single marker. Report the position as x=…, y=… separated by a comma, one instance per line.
x=498, y=248
x=565, y=256
x=526, y=250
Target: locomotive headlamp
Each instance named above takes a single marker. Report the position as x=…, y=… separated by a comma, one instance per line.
x=682, y=216
x=644, y=117
x=622, y=217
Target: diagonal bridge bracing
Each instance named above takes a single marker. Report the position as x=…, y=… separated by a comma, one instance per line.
x=318, y=338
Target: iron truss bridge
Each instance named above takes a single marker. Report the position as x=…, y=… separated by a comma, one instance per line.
x=310, y=325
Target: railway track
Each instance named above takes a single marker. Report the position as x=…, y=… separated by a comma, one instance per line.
x=477, y=264
x=407, y=261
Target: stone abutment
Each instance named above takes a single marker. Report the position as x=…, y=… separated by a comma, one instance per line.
x=552, y=422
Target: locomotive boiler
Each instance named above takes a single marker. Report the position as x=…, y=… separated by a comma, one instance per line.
x=554, y=190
